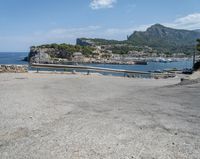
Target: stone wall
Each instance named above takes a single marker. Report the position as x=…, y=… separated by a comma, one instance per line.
x=13, y=68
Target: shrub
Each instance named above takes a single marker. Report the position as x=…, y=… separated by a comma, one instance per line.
x=196, y=66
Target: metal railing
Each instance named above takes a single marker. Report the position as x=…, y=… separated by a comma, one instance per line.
x=88, y=69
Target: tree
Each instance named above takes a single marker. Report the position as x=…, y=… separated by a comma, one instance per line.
x=198, y=44
x=197, y=64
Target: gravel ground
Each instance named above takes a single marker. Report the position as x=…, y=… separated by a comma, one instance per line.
x=61, y=116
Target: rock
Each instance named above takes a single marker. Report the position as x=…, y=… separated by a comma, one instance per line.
x=39, y=55
x=48, y=55
x=25, y=59
x=13, y=68
x=195, y=75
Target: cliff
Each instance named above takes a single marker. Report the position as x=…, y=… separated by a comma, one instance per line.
x=58, y=53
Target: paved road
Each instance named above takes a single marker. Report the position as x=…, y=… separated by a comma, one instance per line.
x=57, y=116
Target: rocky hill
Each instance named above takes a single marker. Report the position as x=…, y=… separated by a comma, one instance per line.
x=197, y=30
x=158, y=37
x=166, y=39
x=50, y=52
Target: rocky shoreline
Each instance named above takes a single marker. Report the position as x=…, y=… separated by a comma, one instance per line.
x=63, y=61
x=45, y=55
x=13, y=68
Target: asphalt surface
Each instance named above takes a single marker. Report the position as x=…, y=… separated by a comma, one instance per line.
x=60, y=116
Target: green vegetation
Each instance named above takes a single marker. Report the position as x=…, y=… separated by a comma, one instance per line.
x=98, y=41
x=198, y=44
x=159, y=38
x=156, y=39
x=197, y=64
x=166, y=39
x=117, y=47
x=67, y=49
x=120, y=49
x=125, y=48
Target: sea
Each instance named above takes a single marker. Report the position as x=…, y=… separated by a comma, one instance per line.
x=17, y=58
x=13, y=58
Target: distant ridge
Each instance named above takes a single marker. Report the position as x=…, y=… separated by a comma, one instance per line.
x=165, y=39
x=160, y=38
x=197, y=30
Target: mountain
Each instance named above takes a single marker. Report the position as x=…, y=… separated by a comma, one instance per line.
x=156, y=40
x=158, y=37
x=165, y=39
x=197, y=30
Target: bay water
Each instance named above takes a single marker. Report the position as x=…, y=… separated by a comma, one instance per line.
x=17, y=58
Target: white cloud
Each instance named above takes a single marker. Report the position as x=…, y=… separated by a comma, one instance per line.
x=99, y=4
x=191, y=22
x=64, y=35
x=69, y=35
x=57, y=35
x=188, y=22
x=121, y=33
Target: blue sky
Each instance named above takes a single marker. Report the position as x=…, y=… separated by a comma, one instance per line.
x=24, y=23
